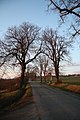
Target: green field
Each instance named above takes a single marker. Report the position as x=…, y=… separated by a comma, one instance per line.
x=65, y=79
x=71, y=79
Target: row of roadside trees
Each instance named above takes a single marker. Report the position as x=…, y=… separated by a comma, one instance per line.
x=23, y=44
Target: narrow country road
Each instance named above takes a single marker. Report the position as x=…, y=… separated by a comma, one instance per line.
x=48, y=104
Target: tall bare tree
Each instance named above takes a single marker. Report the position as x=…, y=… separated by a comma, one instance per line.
x=55, y=48
x=21, y=46
x=39, y=62
x=45, y=65
x=68, y=8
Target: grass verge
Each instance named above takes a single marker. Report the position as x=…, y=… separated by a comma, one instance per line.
x=67, y=87
x=10, y=99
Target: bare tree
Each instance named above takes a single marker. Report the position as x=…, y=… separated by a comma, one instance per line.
x=55, y=48
x=21, y=46
x=45, y=65
x=39, y=62
x=68, y=8
x=31, y=71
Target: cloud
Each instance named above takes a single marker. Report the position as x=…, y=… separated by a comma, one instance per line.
x=71, y=64
x=73, y=68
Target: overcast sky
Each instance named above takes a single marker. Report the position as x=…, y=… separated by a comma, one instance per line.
x=15, y=12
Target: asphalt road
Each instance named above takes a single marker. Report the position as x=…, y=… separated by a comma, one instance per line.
x=48, y=104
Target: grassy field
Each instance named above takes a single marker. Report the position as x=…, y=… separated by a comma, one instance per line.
x=8, y=85
x=10, y=92
x=65, y=79
x=71, y=80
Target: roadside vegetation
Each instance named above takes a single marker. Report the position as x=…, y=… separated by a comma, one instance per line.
x=10, y=95
x=69, y=83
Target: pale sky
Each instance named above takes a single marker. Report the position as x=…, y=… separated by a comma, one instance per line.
x=15, y=12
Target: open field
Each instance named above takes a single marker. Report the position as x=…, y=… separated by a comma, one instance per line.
x=8, y=85
x=10, y=92
x=71, y=79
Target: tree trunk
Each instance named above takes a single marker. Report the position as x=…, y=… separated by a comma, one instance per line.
x=44, y=76
x=22, y=76
x=41, y=76
x=57, y=72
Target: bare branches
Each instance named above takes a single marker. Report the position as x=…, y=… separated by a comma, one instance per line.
x=37, y=53
x=19, y=43
x=55, y=48
x=21, y=39
x=68, y=9
x=64, y=9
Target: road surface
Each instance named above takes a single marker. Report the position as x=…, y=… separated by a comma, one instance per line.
x=48, y=104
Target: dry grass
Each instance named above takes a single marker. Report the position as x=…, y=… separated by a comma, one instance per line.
x=8, y=85
x=74, y=88
x=10, y=92
x=70, y=83
x=69, y=87
x=4, y=95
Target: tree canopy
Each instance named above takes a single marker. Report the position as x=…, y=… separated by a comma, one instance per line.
x=21, y=45
x=56, y=48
